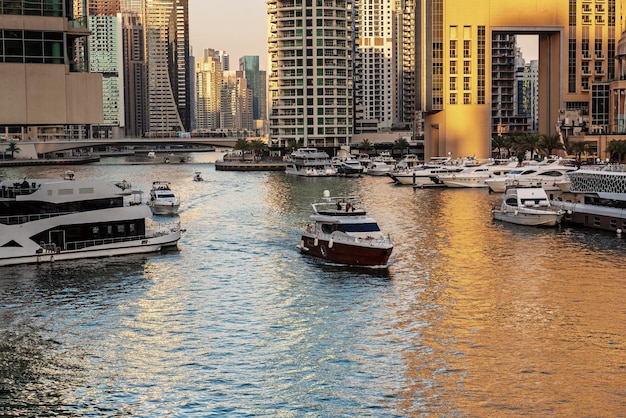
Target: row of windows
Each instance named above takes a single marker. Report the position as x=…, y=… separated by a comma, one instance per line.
x=31, y=47
x=53, y=8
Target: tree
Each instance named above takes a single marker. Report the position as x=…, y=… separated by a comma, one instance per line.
x=616, y=146
x=402, y=144
x=243, y=145
x=499, y=143
x=523, y=142
x=550, y=143
x=257, y=146
x=12, y=148
x=578, y=148
x=366, y=145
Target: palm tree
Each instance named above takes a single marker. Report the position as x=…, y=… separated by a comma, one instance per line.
x=13, y=148
x=523, y=142
x=500, y=142
x=366, y=145
x=401, y=143
x=578, y=148
x=550, y=143
x=243, y=145
x=258, y=146
x=616, y=146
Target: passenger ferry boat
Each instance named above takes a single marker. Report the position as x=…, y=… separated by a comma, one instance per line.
x=341, y=232
x=47, y=220
x=596, y=198
x=310, y=162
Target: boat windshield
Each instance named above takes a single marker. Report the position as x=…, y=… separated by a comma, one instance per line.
x=350, y=228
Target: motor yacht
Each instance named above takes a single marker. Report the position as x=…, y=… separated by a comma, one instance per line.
x=545, y=175
x=475, y=176
x=379, y=168
x=350, y=167
x=163, y=201
x=51, y=220
x=527, y=206
x=340, y=231
x=426, y=174
x=309, y=162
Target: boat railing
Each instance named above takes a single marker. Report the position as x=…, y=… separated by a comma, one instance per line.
x=22, y=219
x=373, y=241
x=79, y=245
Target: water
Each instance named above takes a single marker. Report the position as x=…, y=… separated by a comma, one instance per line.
x=472, y=317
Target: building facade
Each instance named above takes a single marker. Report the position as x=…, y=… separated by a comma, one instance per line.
x=106, y=57
x=375, y=69
x=46, y=90
x=577, y=43
x=209, y=75
x=310, y=76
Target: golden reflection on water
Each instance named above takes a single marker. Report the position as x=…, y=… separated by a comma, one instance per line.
x=519, y=327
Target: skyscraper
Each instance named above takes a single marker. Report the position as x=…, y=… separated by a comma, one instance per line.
x=255, y=79
x=167, y=45
x=375, y=73
x=310, y=75
x=209, y=76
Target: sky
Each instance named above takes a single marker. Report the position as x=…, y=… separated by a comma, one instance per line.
x=235, y=26
x=239, y=28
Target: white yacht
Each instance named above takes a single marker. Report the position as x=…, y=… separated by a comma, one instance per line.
x=350, y=167
x=527, y=206
x=163, y=201
x=544, y=175
x=475, y=176
x=309, y=162
x=409, y=161
x=379, y=168
x=426, y=174
x=49, y=220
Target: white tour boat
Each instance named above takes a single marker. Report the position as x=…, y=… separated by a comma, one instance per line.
x=48, y=220
x=163, y=201
x=341, y=232
x=527, y=206
x=309, y=162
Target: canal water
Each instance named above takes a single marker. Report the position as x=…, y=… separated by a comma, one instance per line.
x=471, y=318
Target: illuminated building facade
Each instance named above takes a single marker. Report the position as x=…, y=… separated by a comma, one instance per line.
x=46, y=91
x=310, y=77
x=577, y=45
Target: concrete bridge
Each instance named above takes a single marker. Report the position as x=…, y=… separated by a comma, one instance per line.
x=32, y=149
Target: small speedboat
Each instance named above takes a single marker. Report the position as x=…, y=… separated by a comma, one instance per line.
x=341, y=232
x=527, y=206
x=69, y=175
x=197, y=176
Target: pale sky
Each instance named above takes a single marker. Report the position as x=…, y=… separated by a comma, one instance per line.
x=235, y=26
x=238, y=27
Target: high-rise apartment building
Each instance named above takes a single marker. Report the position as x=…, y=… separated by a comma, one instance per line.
x=46, y=91
x=167, y=49
x=375, y=69
x=527, y=92
x=256, y=80
x=236, y=103
x=135, y=74
x=577, y=43
x=310, y=75
x=209, y=75
x=106, y=57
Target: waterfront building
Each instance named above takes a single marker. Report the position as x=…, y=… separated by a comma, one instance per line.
x=46, y=89
x=106, y=57
x=310, y=76
x=209, y=76
x=135, y=74
x=236, y=103
x=256, y=80
x=576, y=61
x=166, y=31
x=375, y=69
x=526, y=93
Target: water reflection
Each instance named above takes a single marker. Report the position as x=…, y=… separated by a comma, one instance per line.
x=472, y=317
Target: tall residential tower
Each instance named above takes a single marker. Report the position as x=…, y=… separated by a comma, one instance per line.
x=310, y=77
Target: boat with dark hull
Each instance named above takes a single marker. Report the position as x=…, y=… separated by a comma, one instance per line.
x=596, y=198
x=341, y=232
x=44, y=220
